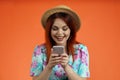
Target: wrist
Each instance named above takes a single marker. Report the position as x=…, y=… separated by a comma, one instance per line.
x=48, y=68
x=65, y=66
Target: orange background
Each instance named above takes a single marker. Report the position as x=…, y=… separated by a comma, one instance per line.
x=21, y=31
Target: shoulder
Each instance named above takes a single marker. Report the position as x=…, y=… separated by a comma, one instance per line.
x=80, y=46
x=39, y=49
x=40, y=46
x=81, y=49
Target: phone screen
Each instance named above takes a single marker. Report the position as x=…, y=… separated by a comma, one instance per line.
x=58, y=49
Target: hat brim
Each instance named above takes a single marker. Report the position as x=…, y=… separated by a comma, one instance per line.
x=50, y=12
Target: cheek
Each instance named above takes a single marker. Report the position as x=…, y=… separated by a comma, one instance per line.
x=68, y=33
x=52, y=34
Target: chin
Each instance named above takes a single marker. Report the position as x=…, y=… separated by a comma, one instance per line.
x=60, y=43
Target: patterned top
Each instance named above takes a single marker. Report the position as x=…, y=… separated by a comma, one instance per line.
x=79, y=66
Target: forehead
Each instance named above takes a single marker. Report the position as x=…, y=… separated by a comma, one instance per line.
x=59, y=22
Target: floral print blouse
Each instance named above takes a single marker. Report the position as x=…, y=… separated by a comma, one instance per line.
x=79, y=66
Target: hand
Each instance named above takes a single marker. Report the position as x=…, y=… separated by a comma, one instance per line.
x=64, y=60
x=53, y=60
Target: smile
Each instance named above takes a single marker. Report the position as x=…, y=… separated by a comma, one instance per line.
x=60, y=38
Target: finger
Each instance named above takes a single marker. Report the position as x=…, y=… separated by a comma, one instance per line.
x=55, y=62
x=64, y=55
x=64, y=60
x=56, y=58
x=54, y=54
x=53, y=58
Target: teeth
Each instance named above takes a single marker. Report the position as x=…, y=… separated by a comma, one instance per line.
x=60, y=38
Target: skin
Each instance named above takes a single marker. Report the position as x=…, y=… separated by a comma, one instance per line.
x=60, y=33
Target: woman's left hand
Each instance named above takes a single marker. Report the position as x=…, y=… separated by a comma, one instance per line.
x=64, y=60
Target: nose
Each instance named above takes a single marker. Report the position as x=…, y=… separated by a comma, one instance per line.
x=59, y=32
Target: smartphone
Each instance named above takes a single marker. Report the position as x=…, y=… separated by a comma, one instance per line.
x=58, y=49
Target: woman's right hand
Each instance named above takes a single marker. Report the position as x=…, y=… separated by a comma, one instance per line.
x=53, y=60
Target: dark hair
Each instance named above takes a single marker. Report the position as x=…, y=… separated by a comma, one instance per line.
x=71, y=40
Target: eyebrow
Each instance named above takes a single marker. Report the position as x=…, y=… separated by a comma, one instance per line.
x=62, y=26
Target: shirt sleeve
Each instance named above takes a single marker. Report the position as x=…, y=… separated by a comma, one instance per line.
x=84, y=66
x=37, y=62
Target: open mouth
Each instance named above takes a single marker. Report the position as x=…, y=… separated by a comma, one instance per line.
x=60, y=38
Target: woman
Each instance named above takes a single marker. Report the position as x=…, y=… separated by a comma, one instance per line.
x=61, y=25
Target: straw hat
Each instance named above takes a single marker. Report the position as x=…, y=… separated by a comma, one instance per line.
x=57, y=9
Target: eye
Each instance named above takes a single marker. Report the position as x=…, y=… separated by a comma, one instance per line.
x=65, y=28
x=54, y=28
